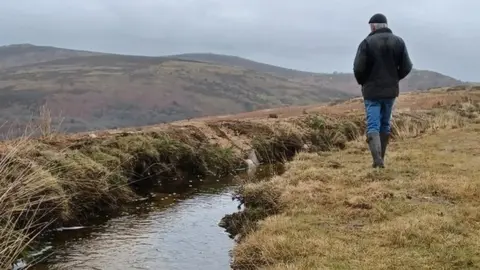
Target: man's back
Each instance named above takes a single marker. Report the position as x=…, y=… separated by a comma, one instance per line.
x=382, y=61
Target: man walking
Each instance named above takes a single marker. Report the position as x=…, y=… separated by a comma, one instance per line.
x=382, y=60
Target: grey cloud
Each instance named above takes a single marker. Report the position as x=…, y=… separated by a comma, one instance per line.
x=304, y=34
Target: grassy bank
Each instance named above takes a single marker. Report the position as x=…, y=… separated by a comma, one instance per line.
x=63, y=180
x=330, y=210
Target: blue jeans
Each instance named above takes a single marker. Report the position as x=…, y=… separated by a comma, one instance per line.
x=379, y=112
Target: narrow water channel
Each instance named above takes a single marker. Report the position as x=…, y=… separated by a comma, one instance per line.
x=167, y=232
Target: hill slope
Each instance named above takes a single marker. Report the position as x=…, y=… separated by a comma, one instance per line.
x=97, y=90
x=25, y=54
x=231, y=60
x=417, y=80
x=105, y=91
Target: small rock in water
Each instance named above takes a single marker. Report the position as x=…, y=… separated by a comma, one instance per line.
x=237, y=237
x=253, y=157
x=189, y=185
x=69, y=228
x=252, y=163
x=19, y=265
x=141, y=199
x=240, y=199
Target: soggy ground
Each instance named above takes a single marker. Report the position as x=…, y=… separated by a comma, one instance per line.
x=165, y=232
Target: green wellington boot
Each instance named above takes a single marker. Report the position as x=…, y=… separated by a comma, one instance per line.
x=375, y=145
x=384, y=138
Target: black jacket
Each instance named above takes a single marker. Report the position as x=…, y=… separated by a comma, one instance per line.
x=381, y=62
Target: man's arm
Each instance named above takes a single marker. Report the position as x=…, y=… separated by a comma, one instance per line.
x=360, y=65
x=405, y=64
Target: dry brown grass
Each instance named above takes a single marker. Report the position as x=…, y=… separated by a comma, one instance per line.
x=336, y=212
x=27, y=196
x=406, y=102
x=58, y=179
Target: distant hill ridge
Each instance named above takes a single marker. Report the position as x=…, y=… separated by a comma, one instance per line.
x=242, y=62
x=417, y=80
x=95, y=90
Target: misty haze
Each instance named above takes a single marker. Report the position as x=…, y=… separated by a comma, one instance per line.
x=239, y=134
x=223, y=57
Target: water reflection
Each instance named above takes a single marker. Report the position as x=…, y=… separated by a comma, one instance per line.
x=167, y=231
x=161, y=234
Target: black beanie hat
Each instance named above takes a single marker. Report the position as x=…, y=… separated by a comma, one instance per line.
x=378, y=18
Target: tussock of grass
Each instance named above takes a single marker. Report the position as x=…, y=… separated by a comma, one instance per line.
x=332, y=211
x=27, y=195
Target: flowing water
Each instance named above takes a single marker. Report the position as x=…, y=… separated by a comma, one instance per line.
x=166, y=232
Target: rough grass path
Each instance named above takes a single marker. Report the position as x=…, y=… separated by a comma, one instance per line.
x=422, y=212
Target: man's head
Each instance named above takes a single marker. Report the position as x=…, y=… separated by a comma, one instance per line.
x=378, y=21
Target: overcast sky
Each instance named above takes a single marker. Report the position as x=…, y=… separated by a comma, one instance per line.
x=313, y=35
